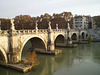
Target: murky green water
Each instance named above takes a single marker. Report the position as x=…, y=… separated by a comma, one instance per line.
x=83, y=60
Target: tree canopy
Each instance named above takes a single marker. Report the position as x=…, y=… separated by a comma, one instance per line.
x=27, y=22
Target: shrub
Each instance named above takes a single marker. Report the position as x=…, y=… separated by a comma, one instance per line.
x=89, y=39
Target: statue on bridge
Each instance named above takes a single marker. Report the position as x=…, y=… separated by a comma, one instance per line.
x=36, y=26
x=12, y=24
x=68, y=27
x=69, y=41
x=49, y=25
x=49, y=28
x=56, y=26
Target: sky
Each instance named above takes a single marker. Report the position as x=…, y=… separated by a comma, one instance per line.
x=12, y=8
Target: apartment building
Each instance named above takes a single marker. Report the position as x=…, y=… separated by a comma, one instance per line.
x=80, y=22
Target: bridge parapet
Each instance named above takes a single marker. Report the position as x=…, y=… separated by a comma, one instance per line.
x=23, y=31
x=74, y=30
x=83, y=30
x=59, y=30
x=43, y=30
x=4, y=32
x=28, y=31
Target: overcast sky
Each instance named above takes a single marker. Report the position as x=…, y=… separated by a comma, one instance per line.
x=12, y=8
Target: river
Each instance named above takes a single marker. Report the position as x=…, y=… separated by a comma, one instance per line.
x=83, y=60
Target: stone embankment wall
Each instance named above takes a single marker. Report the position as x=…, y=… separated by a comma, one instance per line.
x=94, y=33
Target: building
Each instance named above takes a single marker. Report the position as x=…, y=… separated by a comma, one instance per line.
x=90, y=22
x=96, y=22
x=82, y=22
x=79, y=22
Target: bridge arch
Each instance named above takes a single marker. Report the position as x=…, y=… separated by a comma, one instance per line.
x=36, y=41
x=59, y=40
x=83, y=35
x=74, y=36
x=3, y=55
x=86, y=35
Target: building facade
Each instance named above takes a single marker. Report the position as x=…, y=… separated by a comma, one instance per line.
x=82, y=22
x=96, y=22
x=79, y=22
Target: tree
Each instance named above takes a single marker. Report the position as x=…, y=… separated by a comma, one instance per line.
x=5, y=24
x=89, y=39
x=28, y=22
x=24, y=22
x=31, y=59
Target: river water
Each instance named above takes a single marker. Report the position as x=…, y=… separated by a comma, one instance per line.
x=83, y=60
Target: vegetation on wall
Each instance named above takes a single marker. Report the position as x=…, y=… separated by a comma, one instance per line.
x=5, y=24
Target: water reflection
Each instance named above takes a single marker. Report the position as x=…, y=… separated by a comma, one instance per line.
x=96, y=53
x=83, y=60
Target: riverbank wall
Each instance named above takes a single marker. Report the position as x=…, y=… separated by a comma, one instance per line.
x=94, y=34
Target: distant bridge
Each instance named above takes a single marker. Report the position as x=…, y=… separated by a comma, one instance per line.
x=13, y=41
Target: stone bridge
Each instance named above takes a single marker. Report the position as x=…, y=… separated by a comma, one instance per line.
x=13, y=41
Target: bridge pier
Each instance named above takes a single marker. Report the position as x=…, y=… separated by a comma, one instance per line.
x=50, y=44
x=84, y=38
x=14, y=57
x=51, y=47
x=69, y=40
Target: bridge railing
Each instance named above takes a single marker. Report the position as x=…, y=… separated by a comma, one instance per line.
x=74, y=30
x=4, y=32
x=30, y=31
x=23, y=31
x=59, y=30
x=39, y=31
x=43, y=30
